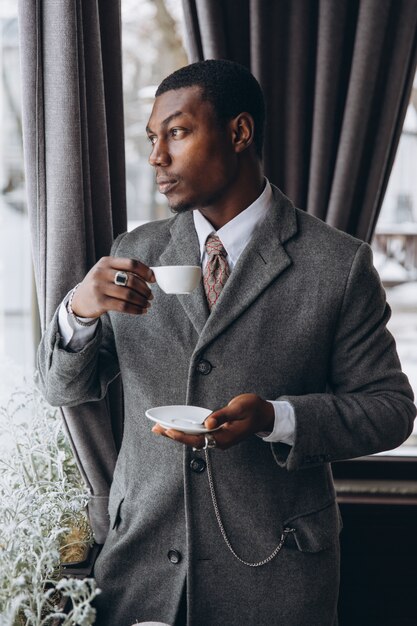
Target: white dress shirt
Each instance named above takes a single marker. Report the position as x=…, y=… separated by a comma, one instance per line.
x=234, y=236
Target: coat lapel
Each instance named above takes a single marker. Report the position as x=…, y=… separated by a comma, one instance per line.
x=262, y=261
x=183, y=249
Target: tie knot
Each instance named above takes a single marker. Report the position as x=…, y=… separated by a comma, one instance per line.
x=214, y=246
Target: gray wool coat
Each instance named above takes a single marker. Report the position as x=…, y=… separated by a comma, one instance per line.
x=303, y=318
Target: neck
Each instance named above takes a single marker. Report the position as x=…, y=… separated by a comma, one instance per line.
x=243, y=192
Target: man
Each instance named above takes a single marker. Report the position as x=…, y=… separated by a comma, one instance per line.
x=292, y=354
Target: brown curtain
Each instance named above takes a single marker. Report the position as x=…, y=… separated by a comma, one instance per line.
x=337, y=76
x=75, y=178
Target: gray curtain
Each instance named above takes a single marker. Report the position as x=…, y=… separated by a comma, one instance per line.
x=75, y=178
x=337, y=76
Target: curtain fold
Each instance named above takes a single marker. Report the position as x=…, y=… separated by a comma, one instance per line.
x=337, y=77
x=74, y=159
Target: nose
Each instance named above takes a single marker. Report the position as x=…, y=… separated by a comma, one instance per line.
x=159, y=155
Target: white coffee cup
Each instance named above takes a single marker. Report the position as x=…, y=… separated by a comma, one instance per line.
x=177, y=278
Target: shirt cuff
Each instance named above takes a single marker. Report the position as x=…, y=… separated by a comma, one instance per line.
x=74, y=336
x=284, y=425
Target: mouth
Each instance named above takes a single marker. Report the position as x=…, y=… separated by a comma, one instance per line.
x=165, y=185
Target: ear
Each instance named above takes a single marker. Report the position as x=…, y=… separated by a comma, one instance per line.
x=243, y=129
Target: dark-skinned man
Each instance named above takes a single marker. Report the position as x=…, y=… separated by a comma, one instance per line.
x=238, y=527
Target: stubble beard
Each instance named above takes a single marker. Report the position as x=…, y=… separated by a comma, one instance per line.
x=180, y=207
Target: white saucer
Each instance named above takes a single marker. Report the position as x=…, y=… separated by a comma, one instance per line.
x=187, y=419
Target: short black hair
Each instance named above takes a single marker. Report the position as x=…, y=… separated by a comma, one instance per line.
x=228, y=86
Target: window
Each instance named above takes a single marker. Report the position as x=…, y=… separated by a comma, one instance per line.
x=16, y=283
x=395, y=250
x=152, y=49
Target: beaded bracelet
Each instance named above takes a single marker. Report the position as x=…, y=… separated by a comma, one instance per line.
x=71, y=312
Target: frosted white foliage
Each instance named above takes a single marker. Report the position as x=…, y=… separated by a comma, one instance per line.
x=42, y=496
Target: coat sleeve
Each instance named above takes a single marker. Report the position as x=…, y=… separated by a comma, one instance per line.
x=71, y=378
x=369, y=404
x=68, y=378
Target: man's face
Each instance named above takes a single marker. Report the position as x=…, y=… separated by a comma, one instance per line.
x=192, y=154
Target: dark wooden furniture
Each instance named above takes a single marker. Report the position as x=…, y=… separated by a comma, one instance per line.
x=378, y=501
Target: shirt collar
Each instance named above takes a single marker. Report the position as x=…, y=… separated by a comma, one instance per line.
x=235, y=234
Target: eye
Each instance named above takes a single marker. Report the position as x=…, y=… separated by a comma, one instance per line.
x=177, y=132
x=152, y=139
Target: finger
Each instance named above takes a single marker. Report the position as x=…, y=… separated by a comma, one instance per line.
x=134, y=296
x=140, y=285
x=230, y=434
x=158, y=430
x=133, y=266
x=133, y=281
x=121, y=299
x=123, y=306
x=220, y=417
x=195, y=441
x=128, y=294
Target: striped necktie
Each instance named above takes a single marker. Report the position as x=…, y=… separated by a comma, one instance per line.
x=216, y=271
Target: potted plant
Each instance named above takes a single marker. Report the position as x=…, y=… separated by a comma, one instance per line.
x=43, y=523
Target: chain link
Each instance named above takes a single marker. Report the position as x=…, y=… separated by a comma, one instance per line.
x=273, y=554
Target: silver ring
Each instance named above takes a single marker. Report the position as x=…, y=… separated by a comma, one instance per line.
x=210, y=442
x=121, y=278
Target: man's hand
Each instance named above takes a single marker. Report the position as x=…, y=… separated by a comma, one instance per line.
x=98, y=294
x=245, y=415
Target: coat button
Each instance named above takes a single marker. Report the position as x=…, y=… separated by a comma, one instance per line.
x=204, y=367
x=174, y=556
x=198, y=465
